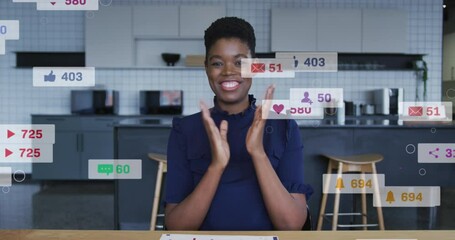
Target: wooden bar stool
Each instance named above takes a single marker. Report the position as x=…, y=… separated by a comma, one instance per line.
x=162, y=168
x=347, y=164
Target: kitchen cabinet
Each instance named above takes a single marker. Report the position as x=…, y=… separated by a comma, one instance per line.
x=384, y=30
x=66, y=159
x=293, y=30
x=156, y=21
x=125, y=36
x=174, y=21
x=108, y=38
x=339, y=30
x=336, y=30
x=195, y=19
x=77, y=139
x=95, y=145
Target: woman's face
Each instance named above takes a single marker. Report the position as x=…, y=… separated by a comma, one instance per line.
x=223, y=71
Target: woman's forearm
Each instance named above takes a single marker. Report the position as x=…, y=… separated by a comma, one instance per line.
x=190, y=213
x=286, y=211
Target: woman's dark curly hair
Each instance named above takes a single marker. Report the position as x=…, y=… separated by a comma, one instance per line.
x=230, y=27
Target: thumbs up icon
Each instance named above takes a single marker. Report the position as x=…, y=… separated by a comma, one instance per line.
x=50, y=77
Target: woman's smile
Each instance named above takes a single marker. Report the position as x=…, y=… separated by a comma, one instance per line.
x=230, y=85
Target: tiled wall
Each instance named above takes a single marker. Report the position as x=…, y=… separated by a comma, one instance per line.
x=64, y=31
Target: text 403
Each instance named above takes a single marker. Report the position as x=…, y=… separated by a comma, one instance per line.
x=30, y=152
x=75, y=2
x=72, y=76
x=314, y=62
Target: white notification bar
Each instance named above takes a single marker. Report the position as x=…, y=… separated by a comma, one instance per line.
x=27, y=133
x=26, y=153
x=312, y=61
x=267, y=68
x=63, y=76
x=409, y=197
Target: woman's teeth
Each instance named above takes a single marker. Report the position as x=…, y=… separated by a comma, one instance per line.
x=229, y=85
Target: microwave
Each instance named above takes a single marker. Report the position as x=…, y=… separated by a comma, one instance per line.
x=101, y=102
x=161, y=102
x=387, y=101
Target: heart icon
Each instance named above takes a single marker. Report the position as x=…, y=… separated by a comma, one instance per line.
x=278, y=108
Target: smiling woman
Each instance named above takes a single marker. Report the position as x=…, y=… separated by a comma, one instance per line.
x=224, y=172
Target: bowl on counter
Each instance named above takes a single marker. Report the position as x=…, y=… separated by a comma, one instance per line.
x=170, y=58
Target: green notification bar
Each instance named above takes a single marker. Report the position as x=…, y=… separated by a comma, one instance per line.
x=115, y=169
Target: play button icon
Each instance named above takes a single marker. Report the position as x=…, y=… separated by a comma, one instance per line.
x=9, y=134
x=7, y=152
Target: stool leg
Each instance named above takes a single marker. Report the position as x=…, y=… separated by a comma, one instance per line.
x=156, y=198
x=364, y=203
x=324, y=197
x=378, y=197
x=336, y=205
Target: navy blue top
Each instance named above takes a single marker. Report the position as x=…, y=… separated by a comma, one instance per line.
x=238, y=202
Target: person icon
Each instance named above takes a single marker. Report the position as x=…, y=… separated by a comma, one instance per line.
x=296, y=62
x=306, y=98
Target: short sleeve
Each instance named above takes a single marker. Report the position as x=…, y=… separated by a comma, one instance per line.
x=290, y=169
x=179, y=181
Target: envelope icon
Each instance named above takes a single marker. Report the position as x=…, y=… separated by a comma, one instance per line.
x=257, y=67
x=415, y=111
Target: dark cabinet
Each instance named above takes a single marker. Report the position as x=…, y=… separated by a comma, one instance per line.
x=77, y=139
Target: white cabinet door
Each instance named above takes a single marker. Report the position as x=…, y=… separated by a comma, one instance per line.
x=108, y=38
x=293, y=30
x=195, y=19
x=156, y=21
x=339, y=30
x=384, y=30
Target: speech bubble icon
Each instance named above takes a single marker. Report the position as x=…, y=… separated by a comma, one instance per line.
x=105, y=168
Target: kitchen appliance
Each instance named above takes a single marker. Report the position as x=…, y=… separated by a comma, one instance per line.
x=161, y=102
x=94, y=102
x=349, y=108
x=387, y=100
x=367, y=109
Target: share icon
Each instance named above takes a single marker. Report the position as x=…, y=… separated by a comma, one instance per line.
x=433, y=153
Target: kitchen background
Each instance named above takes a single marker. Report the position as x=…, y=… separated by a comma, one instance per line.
x=64, y=31
x=38, y=205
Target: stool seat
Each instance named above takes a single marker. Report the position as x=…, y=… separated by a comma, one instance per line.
x=357, y=159
x=162, y=168
x=157, y=157
x=365, y=163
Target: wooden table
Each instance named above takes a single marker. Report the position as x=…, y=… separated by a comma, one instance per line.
x=283, y=235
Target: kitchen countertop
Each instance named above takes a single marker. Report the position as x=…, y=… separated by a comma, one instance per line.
x=282, y=235
x=356, y=122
